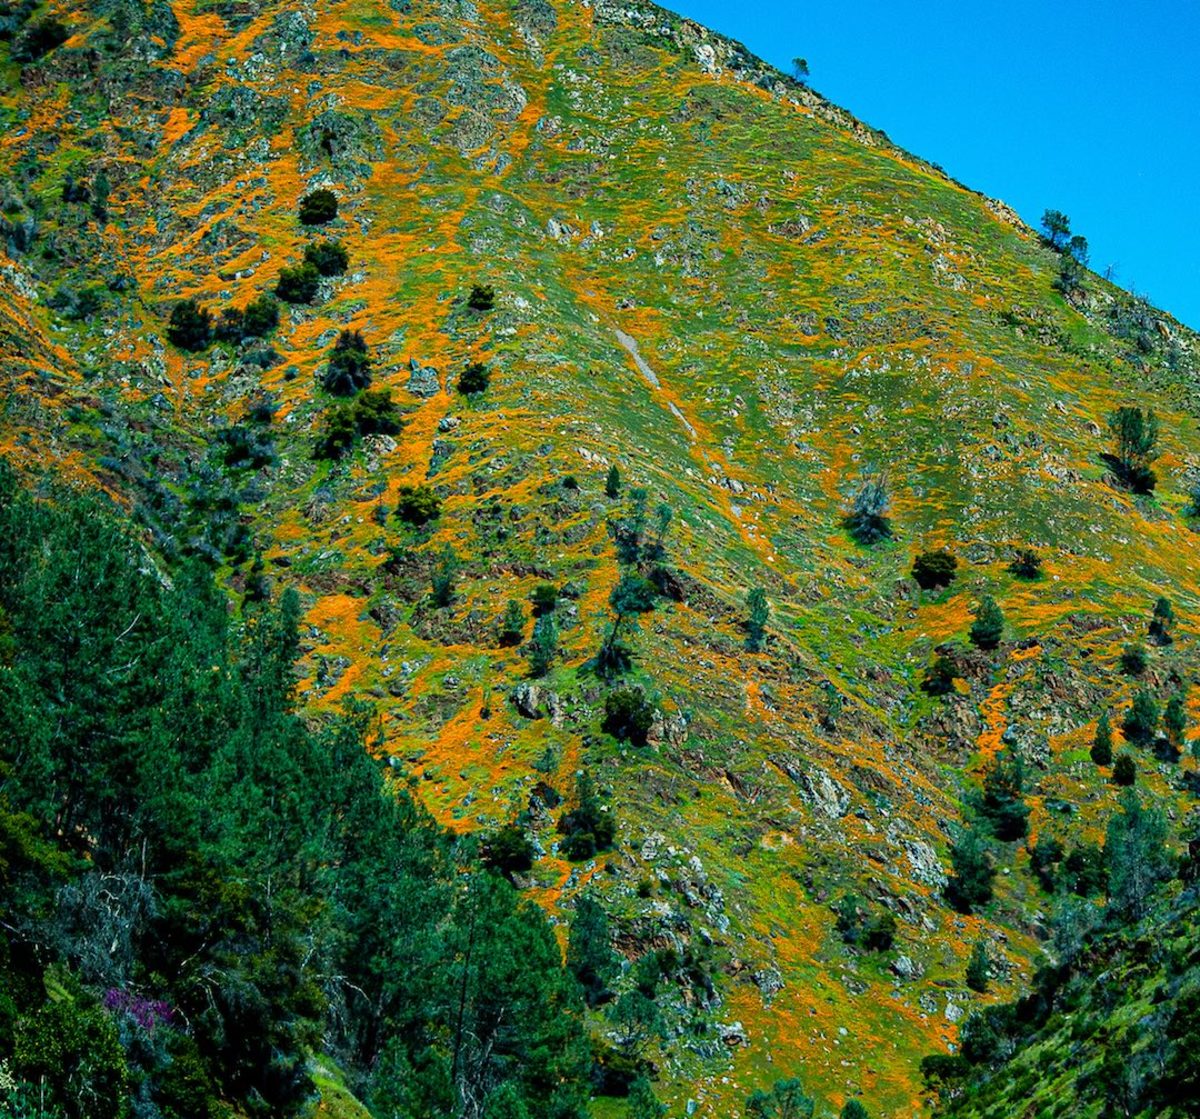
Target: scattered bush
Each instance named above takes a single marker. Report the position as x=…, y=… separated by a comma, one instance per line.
x=373, y=412
x=785, y=1100
x=474, y=379
x=318, y=207
x=544, y=599
x=298, y=284
x=628, y=716
x=934, y=569
x=417, y=505
x=1026, y=564
x=442, y=577
x=1141, y=721
x=970, y=883
x=1175, y=724
x=512, y=624
x=633, y=594
x=756, y=622
x=988, y=627
x=589, y=827
x=509, y=851
x=612, y=482
x=349, y=368
x=1161, y=621
x=1102, y=744
x=866, y=522
x=257, y=320
x=39, y=39
x=979, y=968
x=939, y=677
x=1124, y=770
x=1134, y=660
x=482, y=297
x=543, y=646
x=1135, y=435
x=330, y=258
x=860, y=928
x=190, y=326
x=1003, y=801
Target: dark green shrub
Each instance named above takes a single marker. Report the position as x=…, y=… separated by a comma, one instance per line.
x=443, y=577
x=1134, y=660
x=628, y=716
x=298, y=284
x=509, y=850
x=1141, y=721
x=633, y=594
x=756, y=622
x=318, y=207
x=375, y=413
x=866, y=521
x=261, y=317
x=544, y=599
x=970, y=883
x=349, y=368
x=482, y=297
x=337, y=433
x=589, y=827
x=612, y=482
x=512, y=624
x=190, y=326
x=230, y=327
x=474, y=379
x=417, y=505
x=1027, y=564
x=934, y=569
x=1124, y=770
x=330, y=258
x=979, y=968
x=1102, y=743
x=38, y=39
x=1135, y=436
x=853, y=1109
x=1003, y=801
x=939, y=677
x=1161, y=622
x=785, y=1100
x=543, y=646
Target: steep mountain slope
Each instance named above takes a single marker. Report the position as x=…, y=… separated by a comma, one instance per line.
x=704, y=274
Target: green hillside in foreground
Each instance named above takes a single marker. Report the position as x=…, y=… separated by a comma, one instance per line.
x=443, y=315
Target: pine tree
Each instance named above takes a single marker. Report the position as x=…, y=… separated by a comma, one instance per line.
x=544, y=645
x=988, y=627
x=970, y=883
x=612, y=482
x=512, y=624
x=1141, y=721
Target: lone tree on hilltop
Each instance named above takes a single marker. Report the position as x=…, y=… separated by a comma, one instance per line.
x=1057, y=228
x=1135, y=437
x=800, y=70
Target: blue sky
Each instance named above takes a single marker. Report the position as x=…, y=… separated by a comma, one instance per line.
x=1087, y=106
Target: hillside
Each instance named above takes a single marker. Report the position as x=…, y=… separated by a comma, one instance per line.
x=745, y=300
